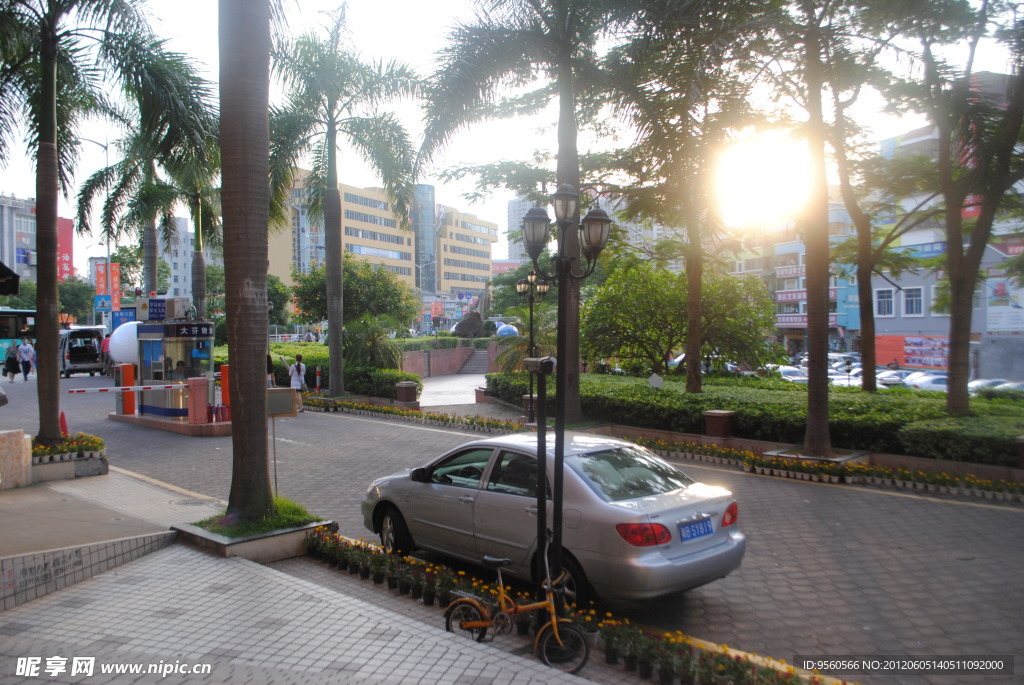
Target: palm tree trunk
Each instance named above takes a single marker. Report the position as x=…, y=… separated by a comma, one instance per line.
x=150, y=259
x=198, y=260
x=816, y=437
x=335, y=271
x=245, y=140
x=47, y=331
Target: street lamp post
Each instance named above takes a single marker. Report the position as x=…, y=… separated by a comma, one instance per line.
x=531, y=289
x=594, y=231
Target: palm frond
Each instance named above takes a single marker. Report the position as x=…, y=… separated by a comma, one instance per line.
x=384, y=143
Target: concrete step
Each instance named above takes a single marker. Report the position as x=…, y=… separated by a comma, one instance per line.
x=478, y=363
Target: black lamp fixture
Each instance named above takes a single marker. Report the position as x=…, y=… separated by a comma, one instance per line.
x=531, y=289
x=593, y=233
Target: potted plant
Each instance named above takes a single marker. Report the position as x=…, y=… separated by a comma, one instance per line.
x=429, y=584
x=646, y=648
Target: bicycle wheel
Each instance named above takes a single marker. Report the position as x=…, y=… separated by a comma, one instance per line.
x=464, y=610
x=570, y=655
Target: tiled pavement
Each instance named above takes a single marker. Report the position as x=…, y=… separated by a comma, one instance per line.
x=829, y=570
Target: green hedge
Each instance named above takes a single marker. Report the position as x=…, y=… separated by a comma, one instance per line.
x=358, y=381
x=896, y=422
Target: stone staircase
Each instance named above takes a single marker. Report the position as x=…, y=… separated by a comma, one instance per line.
x=477, y=363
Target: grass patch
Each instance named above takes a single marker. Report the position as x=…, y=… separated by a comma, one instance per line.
x=288, y=514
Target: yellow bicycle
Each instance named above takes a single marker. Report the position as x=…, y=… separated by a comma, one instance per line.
x=558, y=643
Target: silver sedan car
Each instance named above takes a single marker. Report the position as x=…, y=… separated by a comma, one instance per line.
x=634, y=526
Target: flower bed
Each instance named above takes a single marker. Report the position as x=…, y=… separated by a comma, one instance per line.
x=850, y=473
x=670, y=654
x=77, y=446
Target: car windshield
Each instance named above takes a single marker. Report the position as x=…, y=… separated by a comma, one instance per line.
x=626, y=473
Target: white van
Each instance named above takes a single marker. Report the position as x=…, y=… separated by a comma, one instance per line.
x=80, y=350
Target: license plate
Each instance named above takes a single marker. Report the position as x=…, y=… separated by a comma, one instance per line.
x=697, y=529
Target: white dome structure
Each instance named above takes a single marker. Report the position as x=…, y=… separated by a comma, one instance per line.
x=124, y=343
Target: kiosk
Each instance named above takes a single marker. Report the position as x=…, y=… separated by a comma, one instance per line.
x=173, y=353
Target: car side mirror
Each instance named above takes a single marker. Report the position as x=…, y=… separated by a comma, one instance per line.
x=419, y=475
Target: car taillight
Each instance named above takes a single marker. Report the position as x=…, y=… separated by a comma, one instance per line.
x=731, y=515
x=644, y=534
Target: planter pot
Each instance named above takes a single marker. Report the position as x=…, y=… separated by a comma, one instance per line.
x=932, y=487
x=364, y=572
x=833, y=479
x=392, y=582
x=523, y=627
x=666, y=676
x=644, y=669
x=444, y=598
x=611, y=654
x=404, y=588
x=629, y=662
x=416, y=592
x=746, y=467
x=353, y=568
x=378, y=578
x=428, y=598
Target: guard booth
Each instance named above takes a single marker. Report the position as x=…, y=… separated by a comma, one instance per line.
x=172, y=353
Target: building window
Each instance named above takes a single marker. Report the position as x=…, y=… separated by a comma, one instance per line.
x=913, y=302
x=884, y=303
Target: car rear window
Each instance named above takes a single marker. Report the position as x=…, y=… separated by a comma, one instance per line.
x=626, y=473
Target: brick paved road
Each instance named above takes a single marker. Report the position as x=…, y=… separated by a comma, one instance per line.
x=829, y=569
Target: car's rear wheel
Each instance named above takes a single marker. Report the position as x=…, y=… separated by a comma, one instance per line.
x=394, y=534
x=577, y=589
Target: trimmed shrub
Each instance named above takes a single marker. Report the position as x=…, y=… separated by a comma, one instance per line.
x=978, y=439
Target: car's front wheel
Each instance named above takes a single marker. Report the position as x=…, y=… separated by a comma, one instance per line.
x=394, y=534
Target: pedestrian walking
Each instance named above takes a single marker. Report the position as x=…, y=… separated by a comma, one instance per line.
x=11, y=364
x=105, y=352
x=27, y=357
x=297, y=374
x=270, y=371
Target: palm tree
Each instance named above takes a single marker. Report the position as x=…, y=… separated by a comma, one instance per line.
x=60, y=58
x=141, y=199
x=328, y=87
x=245, y=141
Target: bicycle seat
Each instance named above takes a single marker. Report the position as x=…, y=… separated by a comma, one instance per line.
x=495, y=562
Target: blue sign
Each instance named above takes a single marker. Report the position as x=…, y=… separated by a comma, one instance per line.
x=122, y=316
x=157, y=309
x=102, y=303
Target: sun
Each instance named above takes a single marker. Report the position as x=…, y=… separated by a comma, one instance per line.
x=762, y=180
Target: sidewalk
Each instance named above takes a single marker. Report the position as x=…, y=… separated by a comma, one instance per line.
x=178, y=607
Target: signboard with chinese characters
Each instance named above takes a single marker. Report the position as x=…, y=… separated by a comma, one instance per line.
x=119, y=317
x=191, y=329
x=115, y=283
x=65, y=249
x=157, y=309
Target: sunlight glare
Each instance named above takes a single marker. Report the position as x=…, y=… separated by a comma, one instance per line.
x=762, y=180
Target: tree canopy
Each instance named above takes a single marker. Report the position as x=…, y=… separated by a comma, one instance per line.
x=369, y=289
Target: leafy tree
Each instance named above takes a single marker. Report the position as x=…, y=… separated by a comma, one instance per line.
x=641, y=314
x=280, y=296
x=244, y=138
x=215, y=290
x=130, y=259
x=77, y=297
x=371, y=290
x=25, y=299
x=60, y=59
x=328, y=85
